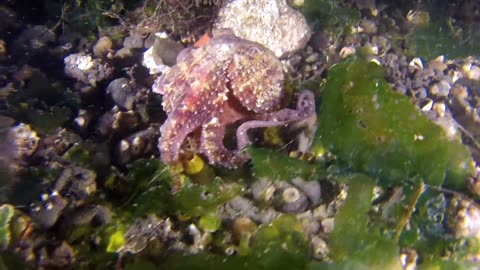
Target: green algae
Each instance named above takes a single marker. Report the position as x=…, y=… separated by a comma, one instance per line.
x=353, y=242
x=285, y=167
x=278, y=245
x=438, y=38
x=154, y=181
x=330, y=15
x=198, y=200
x=374, y=130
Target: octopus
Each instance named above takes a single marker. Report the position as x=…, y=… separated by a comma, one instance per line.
x=228, y=80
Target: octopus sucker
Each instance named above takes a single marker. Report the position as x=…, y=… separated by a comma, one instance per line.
x=227, y=80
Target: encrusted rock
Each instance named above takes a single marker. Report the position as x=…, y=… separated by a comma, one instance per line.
x=87, y=69
x=271, y=23
x=76, y=183
x=26, y=139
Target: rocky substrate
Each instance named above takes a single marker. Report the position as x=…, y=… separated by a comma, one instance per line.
x=76, y=111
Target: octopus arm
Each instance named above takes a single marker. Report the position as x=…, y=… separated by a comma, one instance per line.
x=175, y=130
x=305, y=109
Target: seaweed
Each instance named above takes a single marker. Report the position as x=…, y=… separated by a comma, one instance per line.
x=286, y=168
x=439, y=38
x=330, y=15
x=153, y=181
x=374, y=130
x=355, y=244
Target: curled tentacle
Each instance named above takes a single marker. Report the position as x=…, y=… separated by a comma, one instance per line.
x=305, y=109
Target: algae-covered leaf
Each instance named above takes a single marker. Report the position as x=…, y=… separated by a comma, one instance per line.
x=151, y=201
x=198, y=200
x=146, y=172
x=438, y=38
x=150, y=179
x=280, y=245
x=330, y=15
x=153, y=194
x=6, y=214
x=375, y=130
x=352, y=242
x=277, y=166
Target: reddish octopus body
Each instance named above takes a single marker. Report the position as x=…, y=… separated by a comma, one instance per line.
x=227, y=80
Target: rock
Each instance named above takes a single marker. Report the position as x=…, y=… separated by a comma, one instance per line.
x=86, y=69
x=320, y=40
x=138, y=144
x=45, y=213
x=102, y=46
x=272, y=23
x=311, y=189
x=290, y=199
x=440, y=89
x=134, y=41
x=162, y=54
x=26, y=140
x=76, y=183
x=369, y=27
x=122, y=93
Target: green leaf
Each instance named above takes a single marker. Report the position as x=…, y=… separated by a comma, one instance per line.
x=152, y=180
x=377, y=131
x=280, y=245
x=352, y=242
x=197, y=200
x=277, y=166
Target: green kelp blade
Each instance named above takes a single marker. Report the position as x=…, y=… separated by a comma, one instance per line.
x=378, y=131
x=277, y=166
x=353, y=244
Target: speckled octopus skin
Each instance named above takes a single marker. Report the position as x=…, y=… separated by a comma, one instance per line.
x=226, y=80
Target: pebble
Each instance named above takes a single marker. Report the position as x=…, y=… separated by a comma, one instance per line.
x=369, y=27
x=440, y=89
x=327, y=225
x=291, y=200
x=102, y=47
x=122, y=93
x=133, y=41
x=26, y=139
